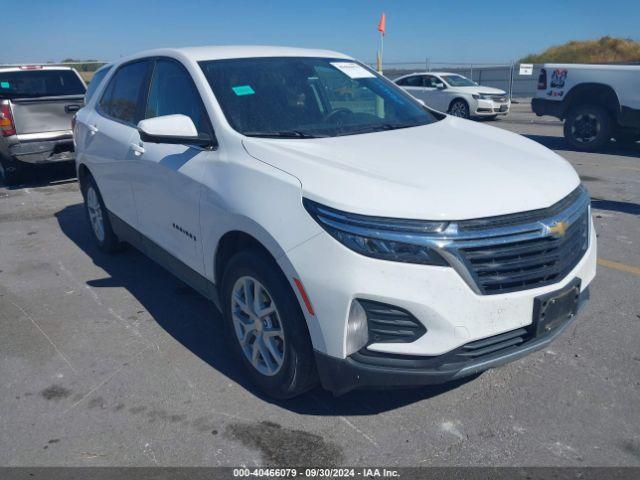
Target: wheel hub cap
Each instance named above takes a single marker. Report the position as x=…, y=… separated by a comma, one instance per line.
x=585, y=128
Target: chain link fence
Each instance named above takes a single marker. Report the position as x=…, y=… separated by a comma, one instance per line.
x=504, y=76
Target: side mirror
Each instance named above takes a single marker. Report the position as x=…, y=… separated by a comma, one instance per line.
x=173, y=129
x=440, y=86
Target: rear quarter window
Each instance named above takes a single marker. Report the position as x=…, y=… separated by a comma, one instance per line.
x=40, y=83
x=95, y=83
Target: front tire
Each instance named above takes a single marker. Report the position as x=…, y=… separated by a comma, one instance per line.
x=98, y=218
x=459, y=108
x=266, y=326
x=587, y=128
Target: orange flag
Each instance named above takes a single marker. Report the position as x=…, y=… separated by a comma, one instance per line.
x=382, y=26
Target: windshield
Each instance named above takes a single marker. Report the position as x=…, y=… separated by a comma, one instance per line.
x=39, y=83
x=300, y=97
x=458, y=81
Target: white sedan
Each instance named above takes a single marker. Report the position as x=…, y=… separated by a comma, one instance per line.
x=455, y=94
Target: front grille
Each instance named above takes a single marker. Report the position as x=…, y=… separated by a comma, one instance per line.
x=530, y=216
x=521, y=251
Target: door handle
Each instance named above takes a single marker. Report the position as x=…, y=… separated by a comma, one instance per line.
x=71, y=108
x=92, y=129
x=137, y=149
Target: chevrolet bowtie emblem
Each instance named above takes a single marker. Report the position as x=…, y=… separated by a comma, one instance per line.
x=558, y=229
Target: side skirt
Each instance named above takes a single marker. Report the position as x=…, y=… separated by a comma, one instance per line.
x=199, y=283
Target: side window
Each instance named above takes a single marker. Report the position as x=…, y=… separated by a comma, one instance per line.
x=95, y=83
x=413, y=81
x=172, y=91
x=431, y=81
x=123, y=97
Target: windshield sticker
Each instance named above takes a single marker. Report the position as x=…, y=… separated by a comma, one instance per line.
x=4, y=84
x=353, y=70
x=241, y=90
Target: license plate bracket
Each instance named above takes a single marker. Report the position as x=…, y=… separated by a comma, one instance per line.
x=554, y=308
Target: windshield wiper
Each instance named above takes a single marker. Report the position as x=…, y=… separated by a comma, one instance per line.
x=284, y=134
x=379, y=127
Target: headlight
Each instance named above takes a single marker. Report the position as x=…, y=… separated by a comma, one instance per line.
x=396, y=240
x=482, y=96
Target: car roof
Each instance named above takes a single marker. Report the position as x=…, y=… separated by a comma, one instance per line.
x=218, y=52
x=23, y=68
x=429, y=73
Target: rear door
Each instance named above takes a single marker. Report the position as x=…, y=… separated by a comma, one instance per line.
x=166, y=180
x=414, y=84
x=111, y=126
x=43, y=100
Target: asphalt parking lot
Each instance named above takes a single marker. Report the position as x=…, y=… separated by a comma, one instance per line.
x=109, y=360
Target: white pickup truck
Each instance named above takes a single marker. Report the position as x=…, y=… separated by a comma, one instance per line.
x=596, y=102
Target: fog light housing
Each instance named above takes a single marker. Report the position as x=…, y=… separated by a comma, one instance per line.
x=357, y=329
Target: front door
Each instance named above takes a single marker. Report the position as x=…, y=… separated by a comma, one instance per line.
x=434, y=97
x=166, y=181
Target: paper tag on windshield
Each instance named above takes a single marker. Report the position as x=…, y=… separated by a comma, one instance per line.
x=353, y=70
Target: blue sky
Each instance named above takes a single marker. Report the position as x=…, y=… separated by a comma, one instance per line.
x=453, y=31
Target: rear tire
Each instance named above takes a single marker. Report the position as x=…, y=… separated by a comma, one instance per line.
x=459, y=108
x=587, y=128
x=11, y=176
x=98, y=217
x=275, y=348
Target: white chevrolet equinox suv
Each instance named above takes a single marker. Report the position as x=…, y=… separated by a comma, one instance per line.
x=348, y=234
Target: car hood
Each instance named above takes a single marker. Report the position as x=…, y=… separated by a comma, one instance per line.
x=453, y=169
x=478, y=89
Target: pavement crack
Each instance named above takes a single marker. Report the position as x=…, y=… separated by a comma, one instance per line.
x=106, y=380
x=37, y=325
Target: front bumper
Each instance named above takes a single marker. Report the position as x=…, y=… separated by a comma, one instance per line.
x=438, y=297
x=358, y=371
x=491, y=107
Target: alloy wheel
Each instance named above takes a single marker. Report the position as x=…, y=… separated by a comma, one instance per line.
x=458, y=109
x=257, y=325
x=95, y=214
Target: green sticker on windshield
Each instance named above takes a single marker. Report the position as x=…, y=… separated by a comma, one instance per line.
x=4, y=84
x=241, y=90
